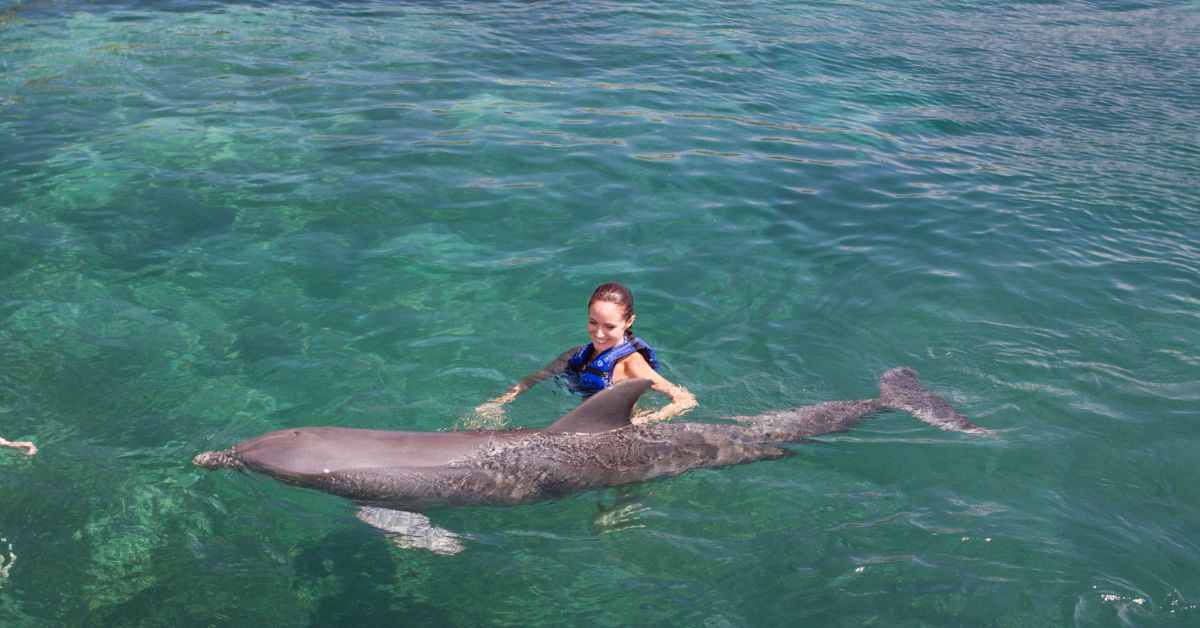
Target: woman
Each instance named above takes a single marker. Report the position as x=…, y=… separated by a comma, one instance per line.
x=613, y=355
x=29, y=447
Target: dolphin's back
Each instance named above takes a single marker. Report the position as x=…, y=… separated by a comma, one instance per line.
x=315, y=450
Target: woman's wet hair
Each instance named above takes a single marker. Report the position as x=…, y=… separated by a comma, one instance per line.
x=615, y=293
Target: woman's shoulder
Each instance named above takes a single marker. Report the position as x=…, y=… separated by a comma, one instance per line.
x=634, y=364
x=569, y=356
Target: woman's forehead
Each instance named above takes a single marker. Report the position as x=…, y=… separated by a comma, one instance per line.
x=605, y=312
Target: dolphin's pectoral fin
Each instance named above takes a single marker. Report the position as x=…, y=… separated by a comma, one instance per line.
x=409, y=529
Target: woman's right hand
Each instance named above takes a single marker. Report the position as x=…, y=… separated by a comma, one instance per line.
x=487, y=415
x=491, y=414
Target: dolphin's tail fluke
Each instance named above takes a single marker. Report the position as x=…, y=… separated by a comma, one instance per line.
x=899, y=389
x=223, y=459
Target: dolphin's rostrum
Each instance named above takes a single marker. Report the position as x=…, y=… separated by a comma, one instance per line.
x=593, y=446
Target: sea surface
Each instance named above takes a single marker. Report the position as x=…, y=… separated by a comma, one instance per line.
x=223, y=218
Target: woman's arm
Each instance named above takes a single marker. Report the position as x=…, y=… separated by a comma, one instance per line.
x=681, y=399
x=493, y=410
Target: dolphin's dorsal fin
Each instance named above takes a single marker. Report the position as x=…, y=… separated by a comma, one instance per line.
x=607, y=410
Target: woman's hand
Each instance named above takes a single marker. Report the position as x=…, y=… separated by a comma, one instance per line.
x=487, y=415
x=681, y=402
x=491, y=414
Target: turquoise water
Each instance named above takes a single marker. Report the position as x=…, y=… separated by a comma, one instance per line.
x=221, y=219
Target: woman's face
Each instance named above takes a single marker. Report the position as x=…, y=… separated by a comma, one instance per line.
x=607, y=324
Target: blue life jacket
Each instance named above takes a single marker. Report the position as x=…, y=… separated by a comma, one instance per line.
x=590, y=378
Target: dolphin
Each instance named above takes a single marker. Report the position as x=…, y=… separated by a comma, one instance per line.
x=391, y=475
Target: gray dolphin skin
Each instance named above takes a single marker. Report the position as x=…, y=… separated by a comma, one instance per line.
x=591, y=447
